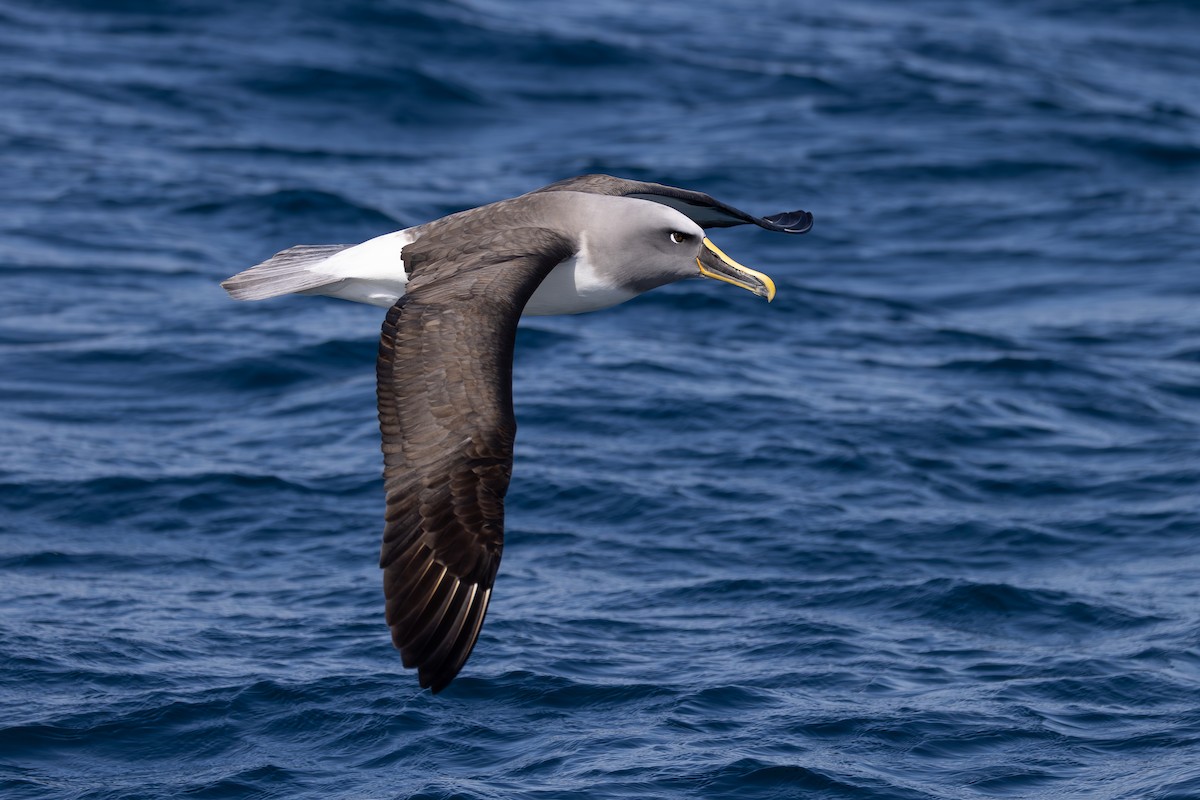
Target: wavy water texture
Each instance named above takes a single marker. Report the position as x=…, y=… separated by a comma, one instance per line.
x=925, y=527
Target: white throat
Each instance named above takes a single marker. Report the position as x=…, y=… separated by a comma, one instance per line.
x=575, y=286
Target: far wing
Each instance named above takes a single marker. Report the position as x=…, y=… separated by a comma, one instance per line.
x=702, y=209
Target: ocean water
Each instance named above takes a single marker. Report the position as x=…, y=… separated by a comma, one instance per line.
x=927, y=526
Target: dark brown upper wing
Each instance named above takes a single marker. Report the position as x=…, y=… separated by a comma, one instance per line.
x=702, y=209
x=445, y=411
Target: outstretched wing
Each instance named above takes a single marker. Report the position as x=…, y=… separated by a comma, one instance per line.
x=445, y=411
x=697, y=206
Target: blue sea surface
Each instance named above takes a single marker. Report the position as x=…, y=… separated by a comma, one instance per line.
x=927, y=526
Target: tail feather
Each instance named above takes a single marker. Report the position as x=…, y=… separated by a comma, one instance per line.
x=285, y=272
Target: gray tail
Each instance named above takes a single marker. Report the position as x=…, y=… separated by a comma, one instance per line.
x=286, y=272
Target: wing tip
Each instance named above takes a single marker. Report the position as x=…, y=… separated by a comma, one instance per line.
x=439, y=671
x=798, y=221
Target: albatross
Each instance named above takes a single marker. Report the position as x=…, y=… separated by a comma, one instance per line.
x=455, y=289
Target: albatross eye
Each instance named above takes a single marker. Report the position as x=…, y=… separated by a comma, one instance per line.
x=679, y=238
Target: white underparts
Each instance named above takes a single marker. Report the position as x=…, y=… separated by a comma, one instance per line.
x=371, y=272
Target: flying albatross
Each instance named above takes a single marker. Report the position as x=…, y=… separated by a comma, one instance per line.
x=455, y=288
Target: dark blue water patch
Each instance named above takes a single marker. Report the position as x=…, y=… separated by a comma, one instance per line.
x=98, y=562
x=299, y=207
x=1187, y=354
x=274, y=373
x=756, y=778
x=161, y=504
x=408, y=96
x=1002, y=611
x=1017, y=611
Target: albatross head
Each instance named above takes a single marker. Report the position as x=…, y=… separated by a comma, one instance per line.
x=639, y=245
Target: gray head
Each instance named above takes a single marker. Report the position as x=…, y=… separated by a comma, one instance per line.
x=639, y=245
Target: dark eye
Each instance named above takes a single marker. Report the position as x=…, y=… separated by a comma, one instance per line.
x=679, y=238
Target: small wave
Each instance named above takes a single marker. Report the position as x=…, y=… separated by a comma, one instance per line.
x=1013, y=611
x=758, y=778
x=281, y=369
x=252, y=210
x=1161, y=152
x=1018, y=365
x=409, y=95
x=1086, y=702
x=94, y=502
x=1191, y=354
x=97, y=562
